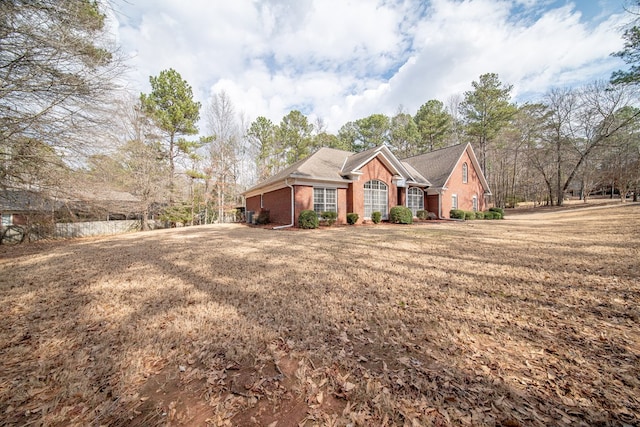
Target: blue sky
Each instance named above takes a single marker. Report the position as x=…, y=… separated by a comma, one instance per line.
x=342, y=60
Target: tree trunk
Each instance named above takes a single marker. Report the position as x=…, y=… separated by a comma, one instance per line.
x=171, y=167
x=559, y=192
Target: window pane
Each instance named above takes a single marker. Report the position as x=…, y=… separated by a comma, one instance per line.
x=375, y=198
x=331, y=203
x=415, y=200
x=318, y=199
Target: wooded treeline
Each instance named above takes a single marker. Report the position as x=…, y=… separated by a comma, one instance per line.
x=575, y=140
x=69, y=133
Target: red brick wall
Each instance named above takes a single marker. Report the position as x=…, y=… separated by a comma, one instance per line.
x=253, y=204
x=464, y=191
x=342, y=206
x=278, y=203
x=304, y=200
x=375, y=169
x=431, y=204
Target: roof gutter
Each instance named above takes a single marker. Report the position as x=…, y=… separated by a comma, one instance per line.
x=286, y=182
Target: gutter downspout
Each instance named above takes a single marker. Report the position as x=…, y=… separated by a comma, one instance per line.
x=440, y=208
x=292, y=207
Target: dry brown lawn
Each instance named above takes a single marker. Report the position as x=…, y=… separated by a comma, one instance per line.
x=529, y=321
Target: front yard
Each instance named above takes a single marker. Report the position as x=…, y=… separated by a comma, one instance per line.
x=533, y=320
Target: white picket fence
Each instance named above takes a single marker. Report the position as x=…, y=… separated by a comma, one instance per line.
x=95, y=228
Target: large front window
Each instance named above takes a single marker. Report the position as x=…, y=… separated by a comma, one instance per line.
x=376, y=198
x=415, y=200
x=325, y=200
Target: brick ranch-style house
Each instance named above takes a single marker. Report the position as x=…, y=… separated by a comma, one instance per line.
x=370, y=181
x=457, y=181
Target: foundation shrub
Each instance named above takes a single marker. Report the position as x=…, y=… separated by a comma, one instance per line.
x=308, y=219
x=401, y=215
x=422, y=214
x=498, y=211
x=352, y=218
x=376, y=217
x=456, y=214
x=329, y=218
x=263, y=217
x=469, y=215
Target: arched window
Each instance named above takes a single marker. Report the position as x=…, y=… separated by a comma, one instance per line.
x=465, y=173
x=376, y=198
x=415, y=200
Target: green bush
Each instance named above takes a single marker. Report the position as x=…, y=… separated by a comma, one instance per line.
x=499, y=211
x=469, y=215
x=263, y=217
x=422, y=214
x=479, y=215
x=490, y=215
x=329, y=218
x=456, y=214
x=308, y=219
x=376, y=217
x=352, y=218
x=401, y=215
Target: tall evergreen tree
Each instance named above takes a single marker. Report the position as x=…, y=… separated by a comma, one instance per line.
x=404, y=135
x=294, y=134
x=630, y=52
x=486, y=109
x=170, y=104
x=434, y=124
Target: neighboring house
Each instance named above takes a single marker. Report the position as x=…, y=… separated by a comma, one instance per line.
x=456, y=177
x=17, y=205
x=344, y=182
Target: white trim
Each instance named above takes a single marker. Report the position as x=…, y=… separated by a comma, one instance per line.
x=324, y=199
x=322, y=183
x=279, y=185
x=388, y=159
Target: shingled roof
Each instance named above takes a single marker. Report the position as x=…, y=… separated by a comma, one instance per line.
x=437, y=165
x=332, y=165
x=325, y=164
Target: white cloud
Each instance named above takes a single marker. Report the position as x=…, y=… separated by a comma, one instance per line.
x=342, y=60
